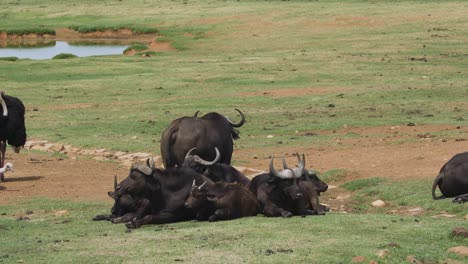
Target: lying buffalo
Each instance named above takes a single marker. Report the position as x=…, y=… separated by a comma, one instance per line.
x=453, y=179
x=278, y=193
x=217, y=172
x=221, y=201
x=153, y=196
x=203, y=133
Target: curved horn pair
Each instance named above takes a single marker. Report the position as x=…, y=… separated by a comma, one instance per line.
x=284, y=174
x=299, y=169
x=201, y=161
x=2, y=102
x=241, y=122
x=195, y=185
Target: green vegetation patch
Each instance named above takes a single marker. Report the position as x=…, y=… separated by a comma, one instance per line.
x=64, y=56
x=136, y=47
x=9, y=58
x=40, y=31
x=361, y=183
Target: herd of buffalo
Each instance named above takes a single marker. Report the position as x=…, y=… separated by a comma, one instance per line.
x=198, y=182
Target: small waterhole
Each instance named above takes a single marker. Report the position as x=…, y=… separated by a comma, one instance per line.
x=58, y=47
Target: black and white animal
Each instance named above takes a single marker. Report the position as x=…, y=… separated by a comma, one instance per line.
x=203, y=133
x=8, y=167
x=453, y=179
x=12, y=127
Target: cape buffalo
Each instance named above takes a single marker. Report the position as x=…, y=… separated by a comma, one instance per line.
x=278, y=193
x=221, y=201
x=12, y=128
x=153, y=196
x=217, y=172
x=453, y=179
x=204, y=133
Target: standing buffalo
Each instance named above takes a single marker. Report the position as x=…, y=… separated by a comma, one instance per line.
x=217, y=172
x=453, y=179
x=204, y=133
x=12, y=128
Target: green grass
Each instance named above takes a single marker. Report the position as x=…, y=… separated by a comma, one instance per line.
x=283, y=63
x=331, y=238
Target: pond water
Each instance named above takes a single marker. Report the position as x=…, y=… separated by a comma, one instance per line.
x=46, y=53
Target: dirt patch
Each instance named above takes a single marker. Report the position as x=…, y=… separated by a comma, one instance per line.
x=380, y=154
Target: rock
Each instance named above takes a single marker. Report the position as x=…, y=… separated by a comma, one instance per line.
x=270, y=136
x=61, y=213
x=30, y=144
x=415, y=211
x=382, y=253
x=57, y=147
x=378, y=203
x=460, y=231
x=87, y=152
x=466, y=217
x=119, y=154
x=444, y=215
x=358, y=259
x=460, y=250
x=412, y=259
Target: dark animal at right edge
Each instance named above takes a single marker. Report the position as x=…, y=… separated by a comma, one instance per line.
x=12, y=128
x=453, y=179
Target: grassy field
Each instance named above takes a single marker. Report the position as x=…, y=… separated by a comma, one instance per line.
x=292, y=67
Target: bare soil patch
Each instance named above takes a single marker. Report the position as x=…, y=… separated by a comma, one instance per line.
x=381, y=154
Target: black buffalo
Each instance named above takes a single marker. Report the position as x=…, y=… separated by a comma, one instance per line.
x=221, y=201
x=153, y=196
x=278, y=192
x=453, y=179
x=217, y=172
x=203, y=133
x=12, y=127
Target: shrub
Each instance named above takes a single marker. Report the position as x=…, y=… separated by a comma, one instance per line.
x=64, y=56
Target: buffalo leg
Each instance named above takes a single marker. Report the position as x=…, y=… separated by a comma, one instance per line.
x=272, y=210
x=2, y=158
x=103, y=217
x=163, y=217
x=461, y=198
x=221, y=214
x=124, y=218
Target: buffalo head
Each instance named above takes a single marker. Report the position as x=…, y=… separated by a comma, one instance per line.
x=307, y=175
x=285, y=181
x=198, y=196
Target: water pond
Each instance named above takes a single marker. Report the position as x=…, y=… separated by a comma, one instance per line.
x=48, y=52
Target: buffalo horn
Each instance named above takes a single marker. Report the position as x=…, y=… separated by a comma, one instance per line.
x=201, y=161
x=193, y=184
x=115, y=183
x=284, y=174
x=2, y=102
x=201, y=186
x=196, y=113
x=189, y=153
x=150, y=162
x=143, y=169
x=241, y=122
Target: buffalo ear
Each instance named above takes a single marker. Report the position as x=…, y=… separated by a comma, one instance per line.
x=211, y=197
